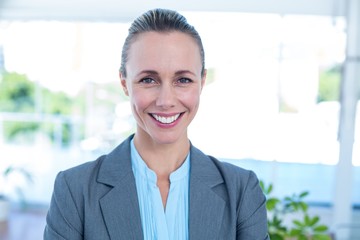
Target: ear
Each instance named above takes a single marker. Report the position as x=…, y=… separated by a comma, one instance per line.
x=123, y=84
x=203, y=79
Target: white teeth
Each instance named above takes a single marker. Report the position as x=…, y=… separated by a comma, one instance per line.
x=166, y=120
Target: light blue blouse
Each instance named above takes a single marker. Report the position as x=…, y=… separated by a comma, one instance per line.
x=157, y=223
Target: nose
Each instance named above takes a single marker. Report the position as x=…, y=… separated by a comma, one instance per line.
x=167, y=97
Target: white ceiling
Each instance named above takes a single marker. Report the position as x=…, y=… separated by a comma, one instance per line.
x=125, y=10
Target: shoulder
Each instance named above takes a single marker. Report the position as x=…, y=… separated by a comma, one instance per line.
x=230, y=169
x=107, y=167
x=82, y=173
x=224, y=168
x=243, y=191
x=77, y=182
x=233, y=176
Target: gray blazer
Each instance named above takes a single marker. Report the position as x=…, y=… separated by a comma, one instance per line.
x=98, y=201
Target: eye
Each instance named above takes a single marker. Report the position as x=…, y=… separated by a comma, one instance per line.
x=184, y=80
x=147, y=80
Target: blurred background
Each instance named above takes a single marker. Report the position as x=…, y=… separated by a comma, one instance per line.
x=282, y=98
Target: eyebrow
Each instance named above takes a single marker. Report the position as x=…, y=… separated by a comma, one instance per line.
x=148, y=72
x=181, y=72
x=153, y=72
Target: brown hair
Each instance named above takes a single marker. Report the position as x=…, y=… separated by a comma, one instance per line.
x=159, y=20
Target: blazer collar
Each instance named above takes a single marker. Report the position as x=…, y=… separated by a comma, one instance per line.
x=116, y=165
x=120, y=206
x=206, y=204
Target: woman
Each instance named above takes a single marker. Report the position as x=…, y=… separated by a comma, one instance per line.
x=156, y=185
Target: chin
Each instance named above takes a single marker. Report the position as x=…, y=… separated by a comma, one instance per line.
x=167, y=138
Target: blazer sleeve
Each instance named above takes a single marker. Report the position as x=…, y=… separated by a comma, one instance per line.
x=251, y=213
x=63, y=220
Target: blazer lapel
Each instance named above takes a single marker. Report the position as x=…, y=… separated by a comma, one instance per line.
x=206, y=206
x=121, y=212
x=120, y=207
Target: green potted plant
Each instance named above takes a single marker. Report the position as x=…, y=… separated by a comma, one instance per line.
x=302, y=227
x=4, y=199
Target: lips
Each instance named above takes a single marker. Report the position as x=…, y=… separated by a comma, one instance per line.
x=165, y=119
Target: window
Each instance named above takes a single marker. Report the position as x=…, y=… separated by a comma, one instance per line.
x=270, y=103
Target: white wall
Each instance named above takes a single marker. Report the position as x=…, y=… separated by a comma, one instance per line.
x=122, y=10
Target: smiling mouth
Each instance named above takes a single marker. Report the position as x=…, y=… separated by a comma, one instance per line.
x=166, y=120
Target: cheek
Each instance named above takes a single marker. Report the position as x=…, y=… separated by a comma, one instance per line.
x=191, y=99
x=139, y=102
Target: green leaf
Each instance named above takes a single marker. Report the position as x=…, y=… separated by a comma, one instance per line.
x=295, y=232
x=302, y=237
x=307, y=220
x=295, y=206
x=298, y=223
x=321, y=237
x=276, y=237
x=303, y=194
x=271, y=203
x=270, y=188
x=262, y=186
x=321, y=228
x=314, y=221
x=303, y=206
x=289, y=199
x=276, y=219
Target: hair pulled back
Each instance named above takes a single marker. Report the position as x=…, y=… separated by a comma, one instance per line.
x=163, y=21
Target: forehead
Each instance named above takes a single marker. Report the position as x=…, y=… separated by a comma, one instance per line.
x=153, y=39
x=164, y=49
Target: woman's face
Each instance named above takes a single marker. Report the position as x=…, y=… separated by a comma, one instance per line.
x=163, y=83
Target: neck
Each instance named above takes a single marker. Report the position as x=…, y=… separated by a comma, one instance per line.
x=163, y=159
